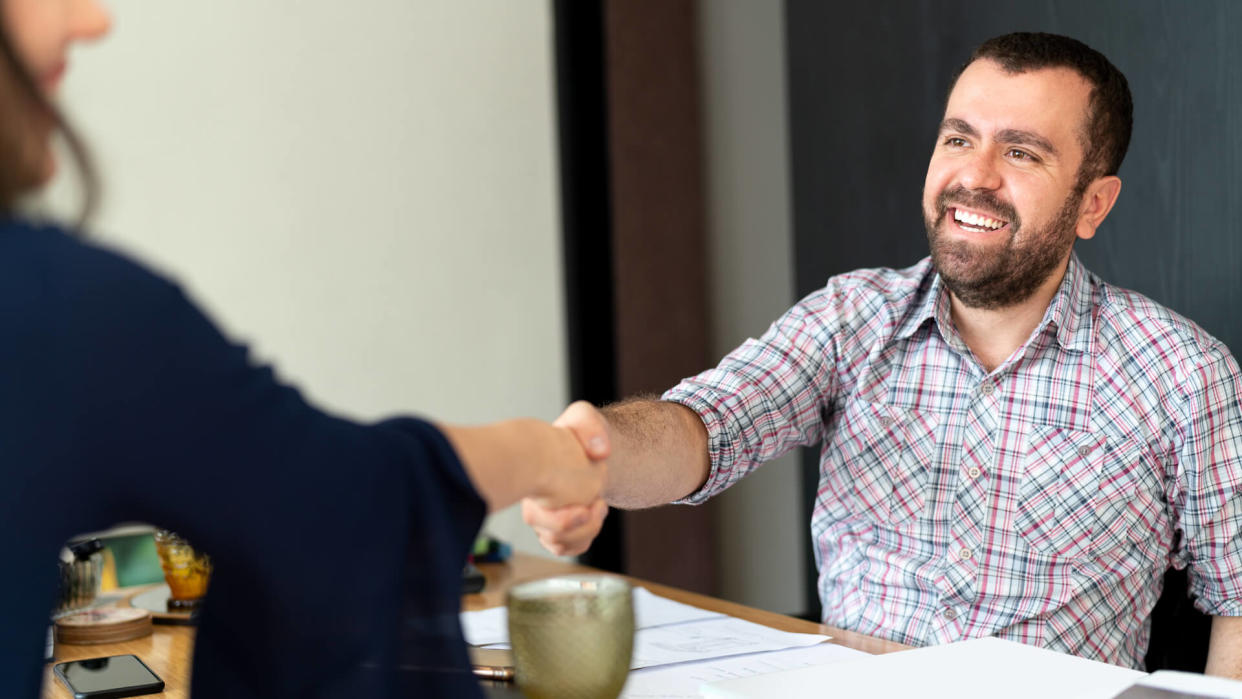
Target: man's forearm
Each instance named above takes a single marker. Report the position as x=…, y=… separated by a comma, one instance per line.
x=1225, y=648
x=659, y=453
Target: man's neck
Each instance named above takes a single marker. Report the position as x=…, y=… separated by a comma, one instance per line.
x=993, y=335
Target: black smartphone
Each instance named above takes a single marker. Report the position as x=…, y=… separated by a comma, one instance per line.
x=108, y=678
x=472, y=580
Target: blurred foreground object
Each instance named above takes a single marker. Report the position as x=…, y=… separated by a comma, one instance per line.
x=572, y=636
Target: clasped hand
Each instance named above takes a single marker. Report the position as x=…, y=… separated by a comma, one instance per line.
x=569, y=529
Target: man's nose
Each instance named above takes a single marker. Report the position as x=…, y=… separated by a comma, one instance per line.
x=980, y=171
x=89, y=19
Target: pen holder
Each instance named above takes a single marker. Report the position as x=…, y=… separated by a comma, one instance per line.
x=79, y=582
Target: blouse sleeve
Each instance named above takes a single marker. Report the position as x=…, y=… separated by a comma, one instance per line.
x=338, y=546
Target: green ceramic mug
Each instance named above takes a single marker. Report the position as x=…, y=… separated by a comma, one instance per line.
x=572, y=636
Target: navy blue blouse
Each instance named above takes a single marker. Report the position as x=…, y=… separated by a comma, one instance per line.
x=337, y=546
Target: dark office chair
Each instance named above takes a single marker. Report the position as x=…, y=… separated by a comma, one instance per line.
x=1179, y=632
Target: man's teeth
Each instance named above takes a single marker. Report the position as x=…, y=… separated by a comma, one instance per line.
x=976, y=220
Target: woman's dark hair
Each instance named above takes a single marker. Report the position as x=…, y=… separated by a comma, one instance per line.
x=21, y=104
x=1111, y=117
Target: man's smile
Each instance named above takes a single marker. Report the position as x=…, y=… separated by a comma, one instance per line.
x=976, y=222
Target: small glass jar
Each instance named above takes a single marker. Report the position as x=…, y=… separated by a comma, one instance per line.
x=185, y=570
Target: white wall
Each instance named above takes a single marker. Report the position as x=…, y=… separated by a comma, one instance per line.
x=760, y=523
x=365, y=192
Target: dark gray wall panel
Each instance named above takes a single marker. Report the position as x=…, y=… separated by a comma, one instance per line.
x=866, y=92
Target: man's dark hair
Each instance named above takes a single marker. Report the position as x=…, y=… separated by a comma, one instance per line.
x=1111, y=110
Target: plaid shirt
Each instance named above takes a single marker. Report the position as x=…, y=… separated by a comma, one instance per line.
x=1041, y=502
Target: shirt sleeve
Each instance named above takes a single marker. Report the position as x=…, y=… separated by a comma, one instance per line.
x=767, y=396
x=338, y=546
x=1209, y=486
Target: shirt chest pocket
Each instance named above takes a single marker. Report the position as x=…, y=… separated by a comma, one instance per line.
x=887, y=454
x=1082, y=497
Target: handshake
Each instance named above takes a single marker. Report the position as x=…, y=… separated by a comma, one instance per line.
x=658, y=450
x=658, y=453
x=566, y=516
x=557, y=471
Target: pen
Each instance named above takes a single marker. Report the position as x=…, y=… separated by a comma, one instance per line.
x=493, y=672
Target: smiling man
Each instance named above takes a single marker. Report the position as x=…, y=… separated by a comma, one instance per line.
x=1010, y=445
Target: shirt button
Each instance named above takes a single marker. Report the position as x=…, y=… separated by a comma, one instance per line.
x=1084, y=451
x=887, y=421
x=987, y=389
x=950, y=614
x=966, y=554
x=973, y=472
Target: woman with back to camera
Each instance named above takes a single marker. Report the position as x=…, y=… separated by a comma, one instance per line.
x=337, y=546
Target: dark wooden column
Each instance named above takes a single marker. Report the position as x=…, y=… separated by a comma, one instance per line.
x=658, y=247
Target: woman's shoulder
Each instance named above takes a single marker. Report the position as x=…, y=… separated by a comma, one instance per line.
x=71, y=295
x=44, y=261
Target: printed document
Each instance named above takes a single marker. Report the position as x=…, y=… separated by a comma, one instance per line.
x=666, y=632
x=683, y=681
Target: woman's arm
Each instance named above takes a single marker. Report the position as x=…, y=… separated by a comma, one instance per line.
x=522, y=458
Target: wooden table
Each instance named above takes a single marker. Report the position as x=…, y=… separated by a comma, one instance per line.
x=167, y=651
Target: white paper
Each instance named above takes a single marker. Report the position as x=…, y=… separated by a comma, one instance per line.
x=715, y=639
x=983, y=668
x=1193, y=683
x=652, y=610
x=711, y=638
x=486, y=626
x=491, y=626
x=683, y=681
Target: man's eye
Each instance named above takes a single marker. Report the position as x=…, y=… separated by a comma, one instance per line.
x=1019, y=154
x=955, y=142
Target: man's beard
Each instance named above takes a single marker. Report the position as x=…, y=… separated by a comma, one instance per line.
x=984, y=278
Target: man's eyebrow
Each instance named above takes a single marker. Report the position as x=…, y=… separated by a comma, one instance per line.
x=1026, y=138
x=959, y=126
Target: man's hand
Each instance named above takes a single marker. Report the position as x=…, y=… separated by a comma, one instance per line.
x=569, y=530
x=575, y=475
x=657, y=454
x=565, y=531
x=527, y=458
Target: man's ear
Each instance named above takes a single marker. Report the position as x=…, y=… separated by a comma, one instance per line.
x=1097, y=201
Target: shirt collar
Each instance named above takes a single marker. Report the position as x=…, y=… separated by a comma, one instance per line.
x=927, y=305
x=1069, y=312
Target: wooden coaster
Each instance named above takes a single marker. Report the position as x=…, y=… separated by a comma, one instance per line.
x=103, y=625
